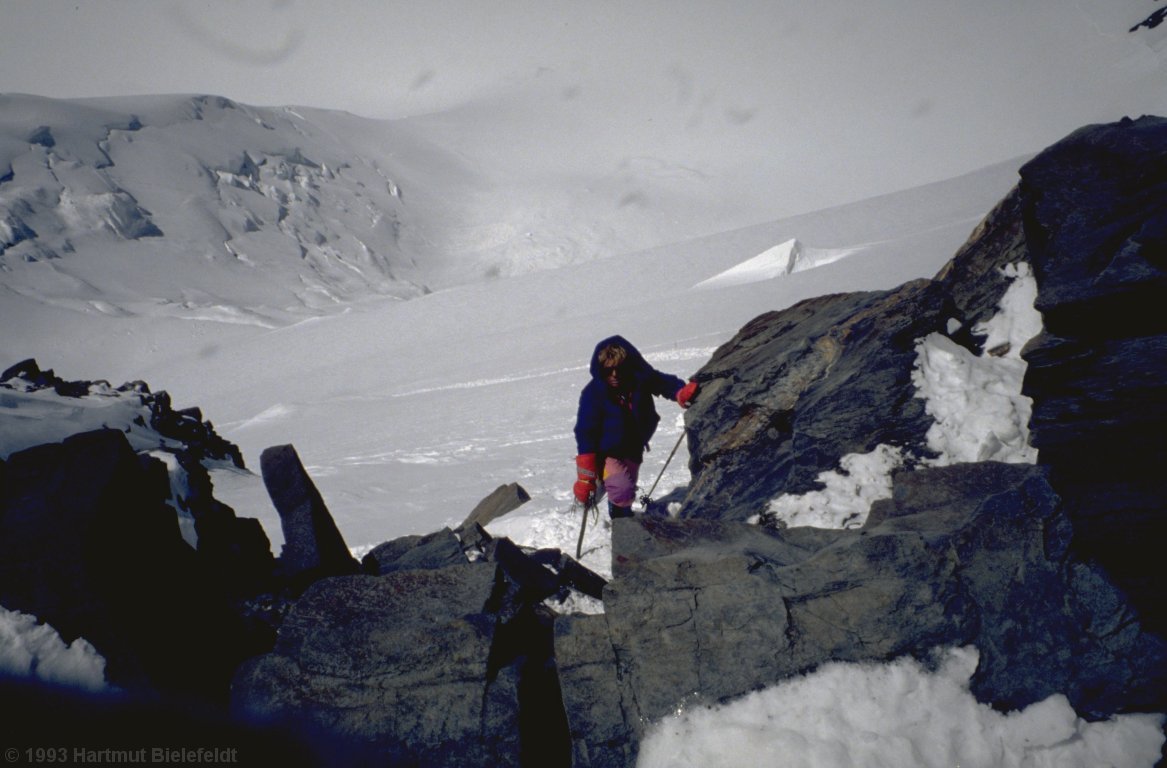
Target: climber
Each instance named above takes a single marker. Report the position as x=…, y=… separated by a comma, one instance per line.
x=615, y=421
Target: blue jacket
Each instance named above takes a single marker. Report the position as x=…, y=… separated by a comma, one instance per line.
x=606, y=427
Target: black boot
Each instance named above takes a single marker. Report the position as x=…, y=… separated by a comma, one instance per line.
x=614, y=511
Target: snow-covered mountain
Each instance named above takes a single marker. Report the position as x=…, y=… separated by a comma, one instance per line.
x=414, y=362
x=258, y=302
x=251, y=214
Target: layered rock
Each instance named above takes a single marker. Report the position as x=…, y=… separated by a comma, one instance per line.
x=795, y=390
x=1095, y=213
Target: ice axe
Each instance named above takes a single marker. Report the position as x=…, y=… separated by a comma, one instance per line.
x=592, y=505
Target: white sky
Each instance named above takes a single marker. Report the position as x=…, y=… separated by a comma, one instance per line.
x=849, y=98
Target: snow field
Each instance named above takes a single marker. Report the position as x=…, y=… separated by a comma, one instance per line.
x=30, y=649
x=890, y=716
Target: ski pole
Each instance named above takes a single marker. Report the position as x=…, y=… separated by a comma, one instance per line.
x=646, y=499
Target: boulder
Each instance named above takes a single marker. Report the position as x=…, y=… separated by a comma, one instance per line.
x=313, y=545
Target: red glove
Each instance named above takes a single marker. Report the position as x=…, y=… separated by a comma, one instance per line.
x=686, y=394
x=585, y=486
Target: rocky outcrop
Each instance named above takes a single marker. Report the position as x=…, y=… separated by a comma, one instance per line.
x=89, y=545
x=192, y=436
x=705, y=611
x=232, y=550
x=1046, y=569
x=796, y=390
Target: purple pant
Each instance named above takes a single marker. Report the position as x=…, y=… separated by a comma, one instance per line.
x=620, y=481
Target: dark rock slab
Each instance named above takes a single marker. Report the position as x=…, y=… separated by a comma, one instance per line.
x=313, y=546
x=571, y=573
x=436, y=550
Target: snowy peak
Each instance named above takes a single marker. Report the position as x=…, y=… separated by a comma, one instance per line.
x=783, y=259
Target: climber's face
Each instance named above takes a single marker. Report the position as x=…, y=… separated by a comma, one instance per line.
x=614, y=376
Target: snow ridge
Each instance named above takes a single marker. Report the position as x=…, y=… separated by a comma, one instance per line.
x=783, y=259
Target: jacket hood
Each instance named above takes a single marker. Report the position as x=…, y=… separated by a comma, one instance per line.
x=635, y=359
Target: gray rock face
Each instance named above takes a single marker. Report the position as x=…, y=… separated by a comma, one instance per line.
x=796, y=390
x=600, y=721
x=398, y=662
x=412, y=668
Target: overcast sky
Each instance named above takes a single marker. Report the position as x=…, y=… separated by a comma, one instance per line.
x=936, y=87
